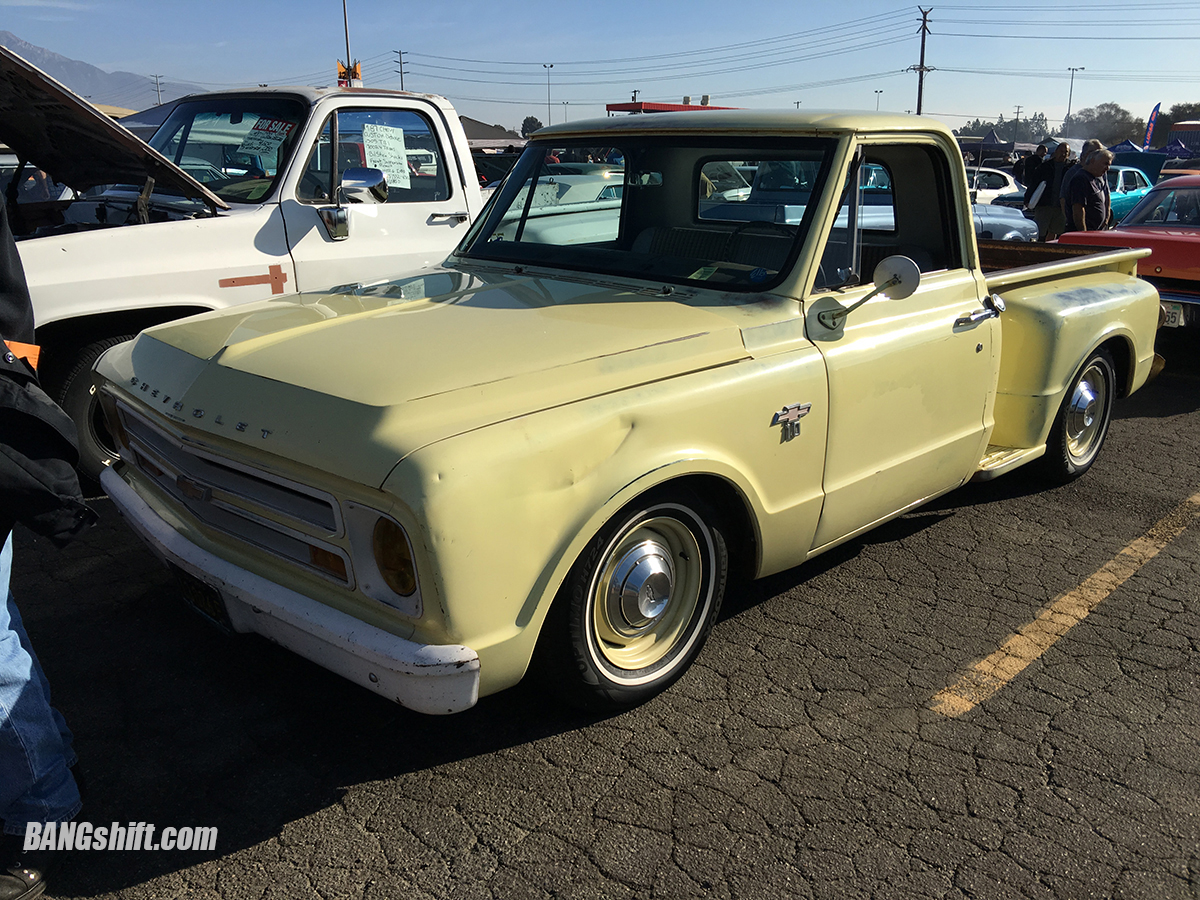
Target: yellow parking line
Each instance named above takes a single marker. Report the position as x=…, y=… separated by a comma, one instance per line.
x=988, y=676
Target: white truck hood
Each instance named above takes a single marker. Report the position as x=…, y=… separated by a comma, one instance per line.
x=50, y=127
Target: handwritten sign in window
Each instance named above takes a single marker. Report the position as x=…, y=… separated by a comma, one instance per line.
x=266, y=136
x=384, y=148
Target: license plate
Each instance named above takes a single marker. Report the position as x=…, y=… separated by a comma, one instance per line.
x=1173, y=315
x=202, y=598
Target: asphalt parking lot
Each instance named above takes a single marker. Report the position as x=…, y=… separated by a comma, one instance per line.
x=805, y=755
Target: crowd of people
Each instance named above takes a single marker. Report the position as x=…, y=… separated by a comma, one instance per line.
x=1067, y=194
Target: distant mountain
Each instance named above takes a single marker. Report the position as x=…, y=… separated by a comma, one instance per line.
x=114, y=88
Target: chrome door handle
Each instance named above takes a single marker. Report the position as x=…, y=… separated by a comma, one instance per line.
x=978, y=316
x=456, y=216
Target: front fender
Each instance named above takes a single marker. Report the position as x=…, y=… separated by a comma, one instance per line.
x=506, y=510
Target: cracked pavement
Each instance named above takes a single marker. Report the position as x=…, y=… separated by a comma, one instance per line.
x=800, y=757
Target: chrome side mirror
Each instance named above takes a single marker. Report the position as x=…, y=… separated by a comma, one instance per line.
x=364, y=186
x=358, y=186
x=897, y=277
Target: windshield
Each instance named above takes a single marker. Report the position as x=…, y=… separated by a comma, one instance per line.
x=236, y=147
x=665, y=208
x=1166, y=207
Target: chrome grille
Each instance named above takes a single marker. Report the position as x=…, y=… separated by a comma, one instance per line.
x=287, y=519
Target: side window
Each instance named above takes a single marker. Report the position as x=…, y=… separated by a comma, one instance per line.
x=907, y=206
x=401, y=143
x=315, y=186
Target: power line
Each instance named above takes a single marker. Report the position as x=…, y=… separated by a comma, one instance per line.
x=853, y=26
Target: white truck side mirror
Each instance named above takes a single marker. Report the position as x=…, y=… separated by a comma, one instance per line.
x=358, y=186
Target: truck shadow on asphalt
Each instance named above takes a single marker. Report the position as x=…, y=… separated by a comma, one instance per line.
x=1176, y=391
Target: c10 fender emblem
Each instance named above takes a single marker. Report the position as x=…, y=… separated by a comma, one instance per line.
x=789, y=418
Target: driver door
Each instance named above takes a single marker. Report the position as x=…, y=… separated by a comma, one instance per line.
x=425, y=215
x=910, y=381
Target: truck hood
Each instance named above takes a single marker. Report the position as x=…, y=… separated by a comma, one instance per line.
x=353, y=382
x=54, y=129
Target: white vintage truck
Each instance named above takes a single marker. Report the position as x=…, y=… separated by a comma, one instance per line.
x=551, y=450
x=238, y=197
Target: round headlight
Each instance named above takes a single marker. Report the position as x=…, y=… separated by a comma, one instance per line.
x=393, y=557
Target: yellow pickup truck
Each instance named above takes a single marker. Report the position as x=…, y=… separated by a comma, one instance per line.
x=548, y=452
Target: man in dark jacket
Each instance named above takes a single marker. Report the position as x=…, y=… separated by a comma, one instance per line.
x=36, y=755
x=1047, y=213
x=1026, y=169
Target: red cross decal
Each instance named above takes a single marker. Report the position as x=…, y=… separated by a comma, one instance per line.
x=275, y=277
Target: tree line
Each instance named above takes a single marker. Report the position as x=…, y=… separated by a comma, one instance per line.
x=1109, y=123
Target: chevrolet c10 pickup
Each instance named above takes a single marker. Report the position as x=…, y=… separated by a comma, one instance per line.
x=548, y=453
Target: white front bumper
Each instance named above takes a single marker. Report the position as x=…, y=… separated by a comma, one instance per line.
x=429, y=678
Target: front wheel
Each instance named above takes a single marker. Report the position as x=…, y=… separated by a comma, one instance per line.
x=1082, y=422
x=637, y=605
x=77, y=397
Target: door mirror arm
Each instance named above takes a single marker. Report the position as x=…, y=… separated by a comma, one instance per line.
x=899, y=276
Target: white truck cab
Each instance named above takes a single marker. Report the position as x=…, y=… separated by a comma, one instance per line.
x=240, y=196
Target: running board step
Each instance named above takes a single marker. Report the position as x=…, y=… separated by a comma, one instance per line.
x=998, y=460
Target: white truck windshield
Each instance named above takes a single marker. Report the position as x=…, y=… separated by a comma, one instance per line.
x=236, y=147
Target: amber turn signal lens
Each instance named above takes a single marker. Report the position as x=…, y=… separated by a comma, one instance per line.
x=327, y=560
x=393, y=557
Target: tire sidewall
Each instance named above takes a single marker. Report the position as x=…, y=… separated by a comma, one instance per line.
x=76, y=395
x=592, y=681
x=1065, y=466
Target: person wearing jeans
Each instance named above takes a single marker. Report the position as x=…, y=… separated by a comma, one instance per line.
x=38, y=487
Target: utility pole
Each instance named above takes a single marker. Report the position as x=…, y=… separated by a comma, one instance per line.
x=346, y=23
x=548, y=67
x=1017, y=127
x=633, y=99
x=1070, y=95
x=400, y=66
x=921, y=68
x=877, y=93
x=158, y=88
x=798, y=104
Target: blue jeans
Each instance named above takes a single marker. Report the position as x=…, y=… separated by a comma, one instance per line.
x=35, y=743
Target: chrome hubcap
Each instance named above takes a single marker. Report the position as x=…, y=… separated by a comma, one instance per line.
x=1084, y=420
x=646, y=593
x=640, y=588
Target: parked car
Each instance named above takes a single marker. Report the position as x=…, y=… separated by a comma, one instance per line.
x=1167, y=220
x=1126, y=186
x=990, y=183
x=1002, y=223
x=549, y=452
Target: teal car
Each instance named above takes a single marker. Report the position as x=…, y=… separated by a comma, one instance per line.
x=1127, y=186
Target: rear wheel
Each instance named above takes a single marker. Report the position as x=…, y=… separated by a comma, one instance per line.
x=1082, y=423
x=637, y=605
x=77, y=396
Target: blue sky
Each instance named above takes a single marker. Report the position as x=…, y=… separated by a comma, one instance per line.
x=490, y=58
